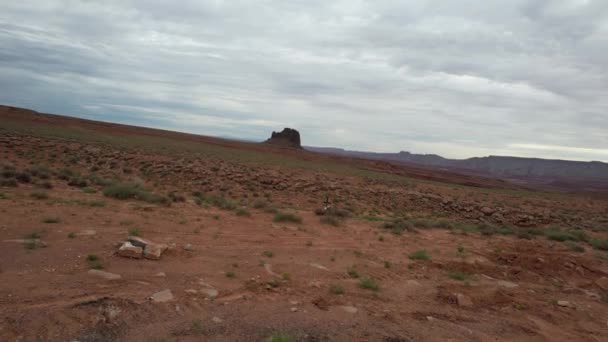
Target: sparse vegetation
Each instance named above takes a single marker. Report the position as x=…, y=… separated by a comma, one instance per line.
x=352, y=272
x=133, y=231
x=230, y=274
x=39, y=195
x=368, y=284
x=398, y=226
x=51, y=220
x=419, y=255
x=278, y=336
x=459, y=275
x=336, y=289
x=94, y=262
x=268, y=254
x=242, y=212
x=287, y=217
x=72, y=235
x=124, y=191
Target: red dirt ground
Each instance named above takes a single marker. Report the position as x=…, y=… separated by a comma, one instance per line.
x=516, y=286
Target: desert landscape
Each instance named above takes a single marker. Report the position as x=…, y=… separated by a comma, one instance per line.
x=120, y=233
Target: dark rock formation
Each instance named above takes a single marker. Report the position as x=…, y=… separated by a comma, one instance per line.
x=289, y=137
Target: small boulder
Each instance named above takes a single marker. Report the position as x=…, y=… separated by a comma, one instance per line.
x=153, y=251
x=602, y=283
x=137, y=241
x=104, y=275
x=162, y=296
x=464, y=301
x=507, y=284
x=129, y=251
x=349, y=309
x=487, y=211
x=565, y=303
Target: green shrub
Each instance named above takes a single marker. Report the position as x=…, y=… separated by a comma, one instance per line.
x=398, y=226
x=574, y=246
x=134, y=232
x=268, y=254
x=352, y=272
x=51, y=220
x=287, y=217
x=599, y=244
x=242, y=212
x=331, y=220
x=125, y=191
x=419, y=255
x=280, y=337
x=39, y=195
x=336, y=289
x=368, y=284
x=459, y=275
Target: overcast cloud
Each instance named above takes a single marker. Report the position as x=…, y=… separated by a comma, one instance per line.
x=457, y=78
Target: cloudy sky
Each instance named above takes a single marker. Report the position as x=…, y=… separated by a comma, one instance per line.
x=457, y=78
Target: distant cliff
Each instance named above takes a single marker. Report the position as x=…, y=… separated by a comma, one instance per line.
x=535, y=170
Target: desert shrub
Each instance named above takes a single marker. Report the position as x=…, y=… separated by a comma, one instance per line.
x=40, y=171
x=574, y=246
x=459, y=275
x=268, y=254
x=51, y=220
x=419, y=255
x=557, y=234
x=336, y=289
x=368, y=284
x=466, y=228
x=352, y=272
x=65, y=174
x=39, y=195
x=260, y=204
x=78, y=182
x=279, y=336
x=125, y=191
x=422, y=224
x=599, y=244
x=94, y=262
x=8, y=182
x=444, y=224
x=242, y=212
x=331, y=220
x=23, y=177
x=45, y=185
x=398, y=226
x=175, y=197
x=134, y=231
x=287, y=217
x=221, y=202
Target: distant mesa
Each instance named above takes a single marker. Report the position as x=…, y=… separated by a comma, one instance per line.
x=289, y=137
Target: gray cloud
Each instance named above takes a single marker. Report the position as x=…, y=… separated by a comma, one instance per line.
x=516, y=77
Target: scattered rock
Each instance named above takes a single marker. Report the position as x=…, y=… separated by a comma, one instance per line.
x=211, y=293
x=191, y=291
x=487, y=211
x=321, y=303
x=137, y=241
x=105, y=275
x=217, y=320
x=507, y=284
x=349, y=309
x=160, y=274
x=565, y=303
x=153, y=251
x=602, y=283
x=294, y=309
x=129, y=251
x=464, y=301
x=188, y=247
x=321, y=267
x=162, y=296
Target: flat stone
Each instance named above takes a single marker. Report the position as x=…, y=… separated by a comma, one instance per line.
x=464, y=301
x=191, y=291
x=602, y=283
x=153, y=251
x=349, y=309
x=105, y=275
x=211, y=293
x=162, y=296
x=294, y=309
x=321, y=267
x=160, y=274
x=137, y=241
x=188, y=247
x=86, y=232
x=217, y=320
x=129, y=251
x=507, y=284
x=565, y=303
